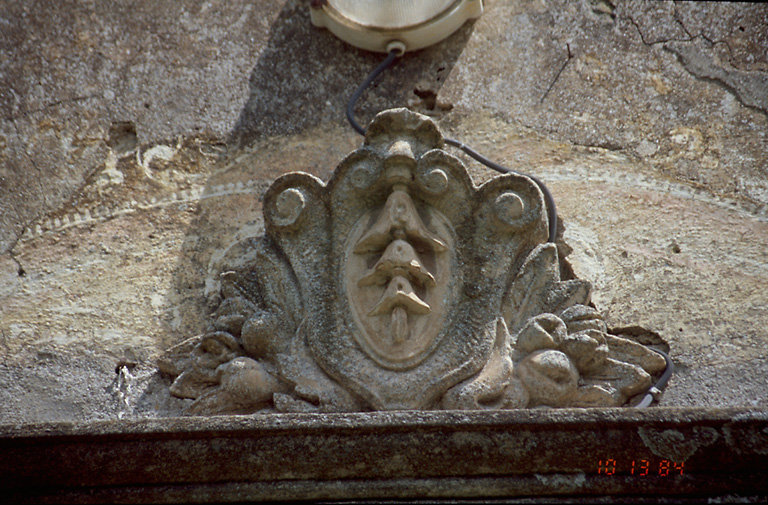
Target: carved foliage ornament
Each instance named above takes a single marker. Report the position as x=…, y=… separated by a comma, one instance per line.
x=400, y=284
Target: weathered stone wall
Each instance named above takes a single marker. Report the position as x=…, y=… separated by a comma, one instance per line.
x=137, y=138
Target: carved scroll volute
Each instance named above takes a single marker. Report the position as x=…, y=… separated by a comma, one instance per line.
x=509, y=222
x=297, y=220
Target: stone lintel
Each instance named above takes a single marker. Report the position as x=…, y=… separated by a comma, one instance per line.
x=678, y=454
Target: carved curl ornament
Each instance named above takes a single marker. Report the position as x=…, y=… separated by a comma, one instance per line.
x=400, y=284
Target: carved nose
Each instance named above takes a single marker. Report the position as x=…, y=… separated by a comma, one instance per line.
x=398, y=213
x=400, y=149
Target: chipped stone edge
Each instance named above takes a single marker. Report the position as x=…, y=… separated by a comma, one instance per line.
x=385, y=419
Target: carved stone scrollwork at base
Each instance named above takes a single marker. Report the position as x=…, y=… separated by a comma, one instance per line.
x=400, y=284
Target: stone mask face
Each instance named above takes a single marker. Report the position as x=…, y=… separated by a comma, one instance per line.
x=400, y=284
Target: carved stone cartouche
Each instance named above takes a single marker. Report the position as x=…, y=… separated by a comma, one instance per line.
x=400, y=284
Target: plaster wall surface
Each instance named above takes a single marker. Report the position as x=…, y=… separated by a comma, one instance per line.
x=137, y=138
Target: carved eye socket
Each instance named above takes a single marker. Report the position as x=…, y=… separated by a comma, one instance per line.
x=362, y=175
x=510, y=209
x=434, y=180
x=288, y=206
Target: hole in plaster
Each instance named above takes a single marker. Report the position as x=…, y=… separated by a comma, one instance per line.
x=428, y=97
x=122, y=137
x=429, y=103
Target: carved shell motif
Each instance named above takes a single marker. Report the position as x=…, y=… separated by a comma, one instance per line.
x=399, y=284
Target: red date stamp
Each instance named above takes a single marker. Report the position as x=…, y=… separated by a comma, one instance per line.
x=640, y=467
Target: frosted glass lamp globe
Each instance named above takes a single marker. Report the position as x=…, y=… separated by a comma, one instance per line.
x=382, y=25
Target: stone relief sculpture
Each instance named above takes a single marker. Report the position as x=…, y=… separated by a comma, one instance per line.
x=400, y=284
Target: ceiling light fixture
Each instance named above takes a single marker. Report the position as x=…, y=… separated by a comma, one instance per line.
x=386, y=25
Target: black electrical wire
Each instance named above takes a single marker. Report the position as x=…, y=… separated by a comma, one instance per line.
x=660, y=384
x=548, y=199
x=391, y=57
